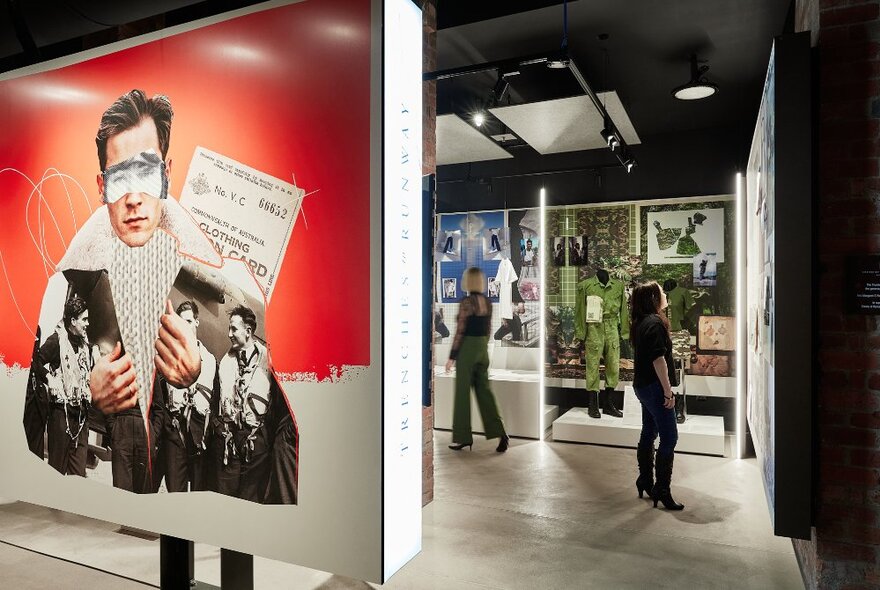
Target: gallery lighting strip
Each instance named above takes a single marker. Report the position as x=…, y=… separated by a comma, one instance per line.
x=541, y=313
x=741, y=320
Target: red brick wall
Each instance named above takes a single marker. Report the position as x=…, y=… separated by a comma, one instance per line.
x=429, y=166
x=844, y=552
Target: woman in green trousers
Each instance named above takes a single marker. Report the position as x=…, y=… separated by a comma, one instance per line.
x=470, y=352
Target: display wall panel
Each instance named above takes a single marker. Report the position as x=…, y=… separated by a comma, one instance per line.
x=272, y=179
x=779, y=219
x=624, y=238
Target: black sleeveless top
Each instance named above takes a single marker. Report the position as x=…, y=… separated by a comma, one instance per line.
x=474, y=319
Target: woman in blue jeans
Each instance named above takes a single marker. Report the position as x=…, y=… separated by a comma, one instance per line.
x=654, y=378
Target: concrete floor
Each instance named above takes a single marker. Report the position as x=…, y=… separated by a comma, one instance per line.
x=544, y=515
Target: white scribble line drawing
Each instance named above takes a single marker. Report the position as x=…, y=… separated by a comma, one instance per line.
x=37, y=245
x=14, y=301
x=301, y=207
x=59, y=174
x=41, y=244
x=41, y=229
x=39, y=216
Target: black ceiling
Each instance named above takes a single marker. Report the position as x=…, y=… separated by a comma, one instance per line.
x=647, y=54
x=33, y=31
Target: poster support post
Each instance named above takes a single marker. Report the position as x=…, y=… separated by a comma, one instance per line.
x=176, y=564
x=236, y=570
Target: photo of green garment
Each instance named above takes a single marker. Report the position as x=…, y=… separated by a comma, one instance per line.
x=602, y=339
x=681, y=301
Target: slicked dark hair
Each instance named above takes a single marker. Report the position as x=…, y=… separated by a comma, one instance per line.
x=127, y=112
x=73, y=308
x=189, y=305
x=248, y=317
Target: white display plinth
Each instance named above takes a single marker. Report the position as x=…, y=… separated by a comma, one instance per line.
x=710, y=386
x=699, y=434
x=697, y=385
x=518, y=396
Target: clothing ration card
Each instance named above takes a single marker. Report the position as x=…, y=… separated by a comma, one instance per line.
x=247, y=214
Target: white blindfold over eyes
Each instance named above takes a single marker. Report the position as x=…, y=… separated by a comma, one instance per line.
x=142, y=173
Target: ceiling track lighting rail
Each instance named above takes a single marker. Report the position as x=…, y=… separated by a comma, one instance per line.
x=559, y=59
x=595, y=170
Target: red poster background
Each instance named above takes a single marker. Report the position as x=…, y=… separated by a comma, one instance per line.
x=286, y=91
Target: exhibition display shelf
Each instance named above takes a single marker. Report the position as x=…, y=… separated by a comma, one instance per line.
x=516, y=392
x=703, y=435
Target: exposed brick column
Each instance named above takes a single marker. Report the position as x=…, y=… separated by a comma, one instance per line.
x=844, y=551
x=429, y=166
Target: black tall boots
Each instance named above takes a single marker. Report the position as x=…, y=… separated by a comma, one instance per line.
x=645, y=457
x=661, y=492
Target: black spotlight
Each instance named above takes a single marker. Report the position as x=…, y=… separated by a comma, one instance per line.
x=610, y=138
x=502, y=87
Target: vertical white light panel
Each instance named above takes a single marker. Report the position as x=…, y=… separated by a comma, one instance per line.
x=402, y=284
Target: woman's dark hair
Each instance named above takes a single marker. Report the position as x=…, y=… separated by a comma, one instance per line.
x=645, y=301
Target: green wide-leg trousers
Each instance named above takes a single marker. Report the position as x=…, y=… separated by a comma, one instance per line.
x=472, y=370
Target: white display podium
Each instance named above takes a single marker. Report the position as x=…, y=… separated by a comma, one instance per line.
x=703, y=435
x=514, y=379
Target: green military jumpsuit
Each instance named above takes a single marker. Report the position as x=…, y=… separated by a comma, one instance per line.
x=602, y=339
x=680, y=304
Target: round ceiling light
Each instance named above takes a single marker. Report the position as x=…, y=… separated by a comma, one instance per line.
x=694, y=91
x=698, y=87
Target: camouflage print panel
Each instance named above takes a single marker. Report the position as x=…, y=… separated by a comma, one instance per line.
x=666, y=236
x=607, y=231
x=552, y=279
x=681, y=344
x=553, y=219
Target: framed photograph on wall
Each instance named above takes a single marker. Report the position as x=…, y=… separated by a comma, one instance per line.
x=711, y=365
x=450, y=290
x=716, y=334
x=493, y=289
x=528, y=251
x=558, y=251
x=496, y=243
x=706, y=269
x=577, y=251
x=675, y=237
x=447, y=248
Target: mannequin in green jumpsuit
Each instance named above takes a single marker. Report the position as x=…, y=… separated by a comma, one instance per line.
x=602, y=338
x=681, y=302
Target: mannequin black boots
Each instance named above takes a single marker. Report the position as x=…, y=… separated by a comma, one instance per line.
x=680, y=409
x=593, y=409
x=608, y=406
x=645, y=457
x=661, y=492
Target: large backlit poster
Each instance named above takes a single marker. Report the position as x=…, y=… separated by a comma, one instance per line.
x=192, y=283
x=779, y=254
x=761, y=204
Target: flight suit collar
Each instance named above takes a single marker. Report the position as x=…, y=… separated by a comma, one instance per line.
x=594, y=280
